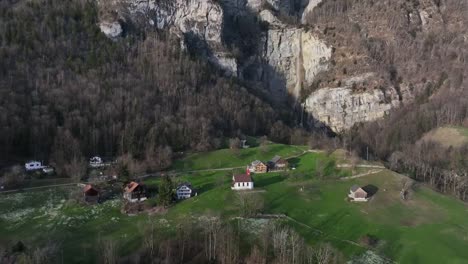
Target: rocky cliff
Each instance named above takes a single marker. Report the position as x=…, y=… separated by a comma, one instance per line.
x=340, y=108
x=272, y=44
x=286, y=57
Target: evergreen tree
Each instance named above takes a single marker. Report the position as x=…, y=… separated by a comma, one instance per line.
x=165, y=196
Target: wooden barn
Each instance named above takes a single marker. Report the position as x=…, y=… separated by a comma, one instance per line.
x=90, y=194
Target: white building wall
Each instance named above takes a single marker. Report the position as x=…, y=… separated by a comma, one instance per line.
x=243, y=186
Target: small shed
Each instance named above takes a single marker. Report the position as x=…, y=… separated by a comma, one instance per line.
x=357, y=194
x=134, y=192
x=90, y=194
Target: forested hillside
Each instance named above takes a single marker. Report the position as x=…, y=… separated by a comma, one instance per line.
x=66, y=88
x=419, y=50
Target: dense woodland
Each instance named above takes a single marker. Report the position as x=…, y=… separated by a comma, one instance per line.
x=67, y=89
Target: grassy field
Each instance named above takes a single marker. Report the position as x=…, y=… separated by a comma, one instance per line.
x=228, y=158
x=429, y=228
x=448, y=136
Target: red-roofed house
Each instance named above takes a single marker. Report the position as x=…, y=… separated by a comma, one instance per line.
x=242, y=182
x=134, y=192
x=90, y=194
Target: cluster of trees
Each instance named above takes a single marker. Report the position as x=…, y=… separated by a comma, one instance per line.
x=21, y=253
x=210, y=240
x=216, y=241
x=67, y=92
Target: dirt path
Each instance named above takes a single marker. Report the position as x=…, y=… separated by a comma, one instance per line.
x=40, y=187
x=361, y=175
x=360, y=166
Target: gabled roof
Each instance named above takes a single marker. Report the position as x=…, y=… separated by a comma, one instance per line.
x=242, y=178
x=90, y=188
x=188, y=184
x=356, y=188
x=275, y=159
x=256, y=162
x=131, y=187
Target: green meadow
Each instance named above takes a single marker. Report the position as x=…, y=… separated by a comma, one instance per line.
x=428, y=228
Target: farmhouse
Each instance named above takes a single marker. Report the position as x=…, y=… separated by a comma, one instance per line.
x=357, y=194
x=185, y=191
x=258, y=167
x=134, y=192
x=95, y=162
x=278, y=163
x=90, y=194
x=242, y=182
x=33, y=165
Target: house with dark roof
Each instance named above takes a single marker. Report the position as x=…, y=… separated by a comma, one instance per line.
x=185, y=191
x=134, y=192
x=90, y=194
x=357, y=194
x=242, y=182
x=277, y=163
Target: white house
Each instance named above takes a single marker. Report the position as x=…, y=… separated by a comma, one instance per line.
x=95, y=162
x=242, y=182
x=33, y=165
x=185, y=191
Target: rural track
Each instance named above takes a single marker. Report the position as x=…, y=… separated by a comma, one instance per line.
x=41, y=187
x=361, y=175
x=360, y=166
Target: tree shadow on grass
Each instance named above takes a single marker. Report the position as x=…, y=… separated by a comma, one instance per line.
x=371, y=190
x=265, y=181
x=205, y=187
x=294, y=162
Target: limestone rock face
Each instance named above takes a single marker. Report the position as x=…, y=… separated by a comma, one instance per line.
x=111, y=29
x=296, y=56
x=199, y=21
x=341, y=108
x=309, y=8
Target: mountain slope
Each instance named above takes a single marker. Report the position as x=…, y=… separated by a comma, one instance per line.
x=379, y=55
x=61, y=76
